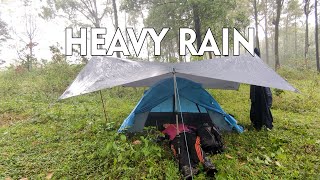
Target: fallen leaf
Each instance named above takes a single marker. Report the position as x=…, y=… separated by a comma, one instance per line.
x=136, y=142
x=278, y=164
x=8, y=178
x=49, y=175
x=228, y=156
x=258, y=160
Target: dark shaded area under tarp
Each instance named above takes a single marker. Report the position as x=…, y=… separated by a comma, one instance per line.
x=157, y=119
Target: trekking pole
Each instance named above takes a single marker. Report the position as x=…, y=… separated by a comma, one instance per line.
x=103, y=106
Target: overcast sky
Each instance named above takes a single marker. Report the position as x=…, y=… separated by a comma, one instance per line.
x=48, y=32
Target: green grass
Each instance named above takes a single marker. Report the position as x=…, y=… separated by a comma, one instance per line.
x=72, y=140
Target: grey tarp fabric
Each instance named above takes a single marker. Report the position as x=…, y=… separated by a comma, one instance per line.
x=242, y=69
x=221, y=73
x=206, y=82
x=107, y=72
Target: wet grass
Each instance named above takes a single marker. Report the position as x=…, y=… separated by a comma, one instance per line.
x=71, y=139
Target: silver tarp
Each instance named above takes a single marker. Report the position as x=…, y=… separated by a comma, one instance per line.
x=220, y=73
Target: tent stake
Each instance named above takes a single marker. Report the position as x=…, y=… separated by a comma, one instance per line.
x=103, y=106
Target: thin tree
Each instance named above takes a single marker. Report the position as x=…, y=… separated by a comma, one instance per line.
x=265, y=12
x=272, y=15
x=26, y=54
x=276, y=34
x=316, y=35
x=256, y=21
x=307, y=11
x=4, y=35
x=76, y=11
x=287, y=20
x=31, y=30
x=197, y=25
x=4, y=32
x=116, y=22
x=295, y=11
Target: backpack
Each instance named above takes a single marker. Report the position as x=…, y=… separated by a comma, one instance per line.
x=210, y=138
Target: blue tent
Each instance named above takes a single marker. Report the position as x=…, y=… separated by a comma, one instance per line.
x=157, y=107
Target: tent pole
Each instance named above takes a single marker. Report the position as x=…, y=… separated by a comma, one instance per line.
x=176, y=109
x=103, y=106
x=177, y=121
x=175, y=98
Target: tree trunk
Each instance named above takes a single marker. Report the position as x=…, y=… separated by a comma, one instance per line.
x=94, y=13
x=197, y=25
x=29, y=58
x=148, y=49
x=276, y=35
x=272, y=40
x=115, y=11
x=256, y=22
x=266, y=30
x=171, y=50
x=316, y=35
x=295, y=37
x=125, y=27
x=306, y=45
x=178, y=48
x=286, y=37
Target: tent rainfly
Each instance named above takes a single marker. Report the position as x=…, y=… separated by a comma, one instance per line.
x=221, y=73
